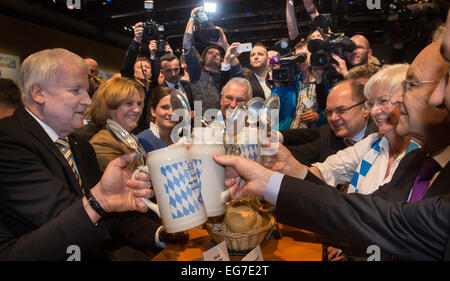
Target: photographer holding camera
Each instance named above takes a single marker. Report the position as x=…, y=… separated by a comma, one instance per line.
x=299, y=108
x=205, y=74
x=136, y=66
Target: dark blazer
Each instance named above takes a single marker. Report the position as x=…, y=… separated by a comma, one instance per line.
x=418, y=231
x=187, y=89
x=300, y=136
x=322, y=147
x=41, y=211
x=257, y=90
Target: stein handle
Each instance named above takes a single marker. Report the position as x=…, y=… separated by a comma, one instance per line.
x=224, y=196
x=152, y=206
x=241, y=182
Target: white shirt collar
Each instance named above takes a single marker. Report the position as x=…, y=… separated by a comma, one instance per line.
x=360, y=135
x=443, y=157
x=171, y=85
x=154, y=128
x=50, y=132
x=260, y=79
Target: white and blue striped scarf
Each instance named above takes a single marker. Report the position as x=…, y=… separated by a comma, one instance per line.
x=369, y=158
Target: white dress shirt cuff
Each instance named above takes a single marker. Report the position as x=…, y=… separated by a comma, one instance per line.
x=280, y=137
x=225, y=66
x=273, y=187
x=303, y=173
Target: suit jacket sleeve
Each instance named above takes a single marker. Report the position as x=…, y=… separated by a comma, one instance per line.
x=127, y=68
x=299, y=136
x=194, y=67
x=307, y=153
x=51, y=240
x=411, y=230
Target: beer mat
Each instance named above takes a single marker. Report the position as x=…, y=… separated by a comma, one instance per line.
x=233, y=252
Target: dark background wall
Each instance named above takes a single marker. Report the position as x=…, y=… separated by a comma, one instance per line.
x=21, y=38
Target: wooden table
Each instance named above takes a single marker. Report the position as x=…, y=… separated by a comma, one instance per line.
x=295, y=245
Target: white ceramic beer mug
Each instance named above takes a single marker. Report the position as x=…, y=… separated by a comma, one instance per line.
x=211, y=177
x=180, y=204
x=248, y=142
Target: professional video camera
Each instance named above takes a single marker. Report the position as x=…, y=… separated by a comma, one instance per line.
x=321, y=50
x=336, y=43
x=204, y=30
x=409, y=21
x=286, y=74
x=154, y=31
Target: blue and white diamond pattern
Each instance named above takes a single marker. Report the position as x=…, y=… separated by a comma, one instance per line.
x=366, y=163
x=198, y=170
x=182, y=186
x=249, y=151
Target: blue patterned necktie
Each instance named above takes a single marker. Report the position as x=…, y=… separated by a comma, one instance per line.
x=63, y=145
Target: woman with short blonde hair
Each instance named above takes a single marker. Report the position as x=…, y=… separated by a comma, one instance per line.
x=111, y=95
x=121, y=100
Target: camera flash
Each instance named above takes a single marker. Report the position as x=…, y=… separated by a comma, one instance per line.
x=210, y=7
x=148, y=5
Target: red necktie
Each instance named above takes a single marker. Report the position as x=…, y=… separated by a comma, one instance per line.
x=349, y=142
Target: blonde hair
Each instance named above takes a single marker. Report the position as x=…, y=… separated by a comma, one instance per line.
x=110, y=95
x=389, y=75
x=42, y=66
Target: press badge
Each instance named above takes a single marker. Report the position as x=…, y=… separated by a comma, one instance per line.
x=307, y=102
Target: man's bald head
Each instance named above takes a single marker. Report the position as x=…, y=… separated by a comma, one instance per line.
x=93, y=65
x=362, y=53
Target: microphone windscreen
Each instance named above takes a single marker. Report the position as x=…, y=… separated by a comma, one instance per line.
x=315, y=44
x=274, y=60
x=321, y=21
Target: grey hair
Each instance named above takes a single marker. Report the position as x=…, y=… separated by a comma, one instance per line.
x=42, y=66
x=389, y=75
x=240, y=81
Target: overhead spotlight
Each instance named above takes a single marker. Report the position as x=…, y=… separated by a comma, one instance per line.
x=210, y=7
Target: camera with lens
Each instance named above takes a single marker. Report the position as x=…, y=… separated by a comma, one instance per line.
x=286, y=74
x=321, y=50
x=204, y=30
x=154, y=31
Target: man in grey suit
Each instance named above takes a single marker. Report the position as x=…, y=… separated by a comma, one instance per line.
x=413, y=230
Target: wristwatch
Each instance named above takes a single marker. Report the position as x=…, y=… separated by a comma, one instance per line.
x=94, y=203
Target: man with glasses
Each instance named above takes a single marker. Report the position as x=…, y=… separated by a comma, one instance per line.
x=94, y=81
x=236, y=91
x=413, y=230
x=348, y=123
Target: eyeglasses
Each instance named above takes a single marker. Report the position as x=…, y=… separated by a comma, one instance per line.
x=96, y=79
x=380, y=102
x=231, y=99
x=409, y=85
x=341, y=110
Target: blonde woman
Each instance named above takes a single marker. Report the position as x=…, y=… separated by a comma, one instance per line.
x=121, y=100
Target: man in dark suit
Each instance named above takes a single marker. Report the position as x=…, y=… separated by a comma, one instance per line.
x=348, y=122
x=170, y=69
x=51, y=194
x=416, y=230
x=257, y=75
